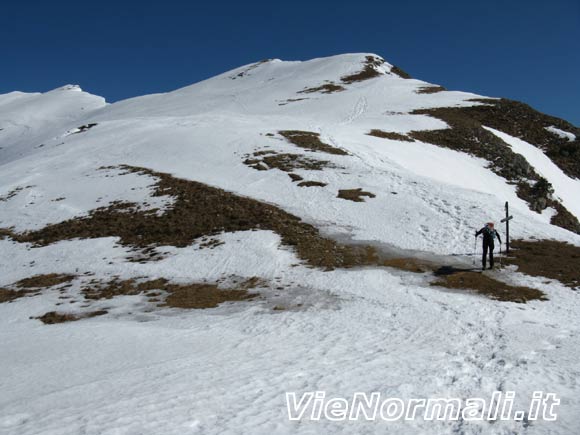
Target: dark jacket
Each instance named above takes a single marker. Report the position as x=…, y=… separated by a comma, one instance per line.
x=489, y=235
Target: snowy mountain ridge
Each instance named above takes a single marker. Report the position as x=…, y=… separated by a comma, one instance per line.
x=321, y=193
x=274, y=95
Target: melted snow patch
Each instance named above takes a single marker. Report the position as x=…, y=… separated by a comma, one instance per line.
x=561, y=133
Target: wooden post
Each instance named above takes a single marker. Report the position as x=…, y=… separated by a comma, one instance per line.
x=507, y=220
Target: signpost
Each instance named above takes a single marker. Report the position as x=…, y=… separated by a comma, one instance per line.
x=507, y=220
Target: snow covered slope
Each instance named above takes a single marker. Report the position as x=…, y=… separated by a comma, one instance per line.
x=140, y=370
x=27, y=120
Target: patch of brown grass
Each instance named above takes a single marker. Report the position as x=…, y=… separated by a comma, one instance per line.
x=54, y=317
x=368, y=72
x=312, y=184
x=43, y=281
x=310, y=141
x=263, y=152
x=430, y=89
x=143, y=255
x=85, y=127
x=485, y=285
x=389, y=135
x=291, y=100
x=295, y=177
x=117, y=287
x=6, y=232
x=192, y=295
x=256, y=164
x=32, y=286
x=210, y=243
x=355, y=195
x=548, y=258
x=327, y=88
x=286, y=162
x=198, y=211
x=200, y=296
x=8, y=295
x=398, y=71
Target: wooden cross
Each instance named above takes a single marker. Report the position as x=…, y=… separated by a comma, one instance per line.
x=507, y=220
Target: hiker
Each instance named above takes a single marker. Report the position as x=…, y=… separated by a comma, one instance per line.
x=489, y=235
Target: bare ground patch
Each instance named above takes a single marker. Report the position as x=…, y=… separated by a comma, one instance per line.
x=311, y=184
x=327, y=88
x=247, y=70
x=210, y=243
x=548, y=258
x=295, y=177
x=356, y=195
x=399, y=72
x=286, y=162
x=159, y=292
x=369, y=71
x=8, y=295
x=84, y=128
x=32, y=286
x=430, y=89
x=485, y=285
x=467, y=279
x=290, y=100
x=14, y=192
x=198, y=211
x=44, y=281
x=310, y=141
x=200, y=296
x=192, y=295
x=389, y=135
x=54, y=317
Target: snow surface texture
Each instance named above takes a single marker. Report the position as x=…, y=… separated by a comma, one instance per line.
x=225, y=370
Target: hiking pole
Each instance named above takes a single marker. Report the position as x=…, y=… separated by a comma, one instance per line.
x=500, y=255
x=474, y=249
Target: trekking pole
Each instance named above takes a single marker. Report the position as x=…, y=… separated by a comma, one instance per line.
x=500, y=255
x=474, y=249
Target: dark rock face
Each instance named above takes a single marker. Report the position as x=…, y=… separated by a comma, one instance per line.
x=522, y=121
x=368, y=72
x=398, y=71
x=466, y=134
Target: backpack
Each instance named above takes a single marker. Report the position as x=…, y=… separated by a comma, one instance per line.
x=489, y=233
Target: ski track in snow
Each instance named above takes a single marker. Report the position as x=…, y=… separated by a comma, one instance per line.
x=358, y=110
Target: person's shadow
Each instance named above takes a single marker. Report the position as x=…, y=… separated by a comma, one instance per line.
x=450, y=270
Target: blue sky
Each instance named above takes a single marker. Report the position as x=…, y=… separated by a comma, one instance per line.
x=525, y=50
